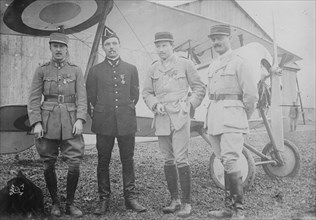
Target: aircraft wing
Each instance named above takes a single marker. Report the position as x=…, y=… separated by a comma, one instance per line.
x=14, y=129
x=42, y=17
x=16, y=136
x=136, y=22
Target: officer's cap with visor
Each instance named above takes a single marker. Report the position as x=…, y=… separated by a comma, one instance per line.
x=220, y=29
x=163, y=36
x=108, y=33
x=59, y=38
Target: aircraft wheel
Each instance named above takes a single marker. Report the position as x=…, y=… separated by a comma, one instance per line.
x=291, y=159
x=248, y=170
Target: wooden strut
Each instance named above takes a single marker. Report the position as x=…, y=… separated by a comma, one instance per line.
x=107, y=8
x=276, y=161
x=278, y=158
x=300, y=98
x=241, y=39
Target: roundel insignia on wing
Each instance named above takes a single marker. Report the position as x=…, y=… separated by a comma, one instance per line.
x=43, y=17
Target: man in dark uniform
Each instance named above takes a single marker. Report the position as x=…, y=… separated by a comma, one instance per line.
x=113, y=91
x=58, y=119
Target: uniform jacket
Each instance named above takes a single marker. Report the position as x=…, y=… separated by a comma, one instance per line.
x=231, y=74
x=170, y=87
x=113, y=91
x=57, y=118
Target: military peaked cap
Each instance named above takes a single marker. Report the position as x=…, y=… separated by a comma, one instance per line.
x=221, y=29
x=163, y=36
x=59, y=38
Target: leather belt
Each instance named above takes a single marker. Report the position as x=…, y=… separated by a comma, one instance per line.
x=60, y=98
x=225, y=97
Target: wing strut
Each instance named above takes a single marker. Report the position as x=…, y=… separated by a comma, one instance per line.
x=107, y=8
x=300, y=98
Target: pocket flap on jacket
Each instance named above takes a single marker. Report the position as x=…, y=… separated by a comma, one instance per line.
x=48, y=107
x=49, y=78
x=180, y=75
x=72, y=107
x=228, y=71
x=156, y=75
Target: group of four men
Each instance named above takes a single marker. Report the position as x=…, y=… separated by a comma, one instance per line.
x=110, y=97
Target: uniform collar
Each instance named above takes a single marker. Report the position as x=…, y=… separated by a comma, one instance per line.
x=113, y=62
x=225, y=55
x=220, y=61
x=58, y=64
x=167, y=64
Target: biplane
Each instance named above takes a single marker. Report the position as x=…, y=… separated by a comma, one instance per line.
x=136, y=22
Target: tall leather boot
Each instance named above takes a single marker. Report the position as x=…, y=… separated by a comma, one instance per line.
x=185, y=183
x=72, y=182
x=171, y=174
x=104, y=188
x=237, y=192
x=51, y=184
x=228, y=210
x=129, y=187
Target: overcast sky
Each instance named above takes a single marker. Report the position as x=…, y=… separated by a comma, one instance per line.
x=295, y=29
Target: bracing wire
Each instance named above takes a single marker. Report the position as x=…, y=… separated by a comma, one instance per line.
x=135, y=34
x=87, y=44
x=133, y=30
x=99, y=52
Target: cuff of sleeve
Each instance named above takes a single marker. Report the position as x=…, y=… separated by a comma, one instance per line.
x=35, y=123
x=34, y=120
x=194, y=103
x=82, y=116
x=249, y=110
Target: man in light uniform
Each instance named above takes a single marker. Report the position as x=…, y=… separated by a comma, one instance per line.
x=58, y=120
x=233, y=93
x=165, y=92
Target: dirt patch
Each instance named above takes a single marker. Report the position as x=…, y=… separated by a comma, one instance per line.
x=269, y=198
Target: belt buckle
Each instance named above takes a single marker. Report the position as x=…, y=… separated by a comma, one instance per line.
x=61, y=99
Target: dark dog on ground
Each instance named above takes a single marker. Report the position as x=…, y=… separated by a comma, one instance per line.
x=21, y=197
